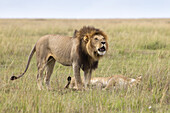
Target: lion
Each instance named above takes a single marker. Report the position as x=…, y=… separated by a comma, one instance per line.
x=115, y=81
x=82, y=51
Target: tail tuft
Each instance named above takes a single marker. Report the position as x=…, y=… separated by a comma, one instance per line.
x=13, y=78
x=67, y=85
x=69, y=78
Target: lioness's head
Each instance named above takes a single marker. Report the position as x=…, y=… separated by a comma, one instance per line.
x=136, y=81
x=94, y=41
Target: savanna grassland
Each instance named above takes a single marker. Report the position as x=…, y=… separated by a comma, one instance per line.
x=136, y=47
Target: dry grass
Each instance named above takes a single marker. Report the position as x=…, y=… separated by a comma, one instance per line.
x=136, y=47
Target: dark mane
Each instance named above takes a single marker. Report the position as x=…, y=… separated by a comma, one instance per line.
x=89, y=31
x=86, y=61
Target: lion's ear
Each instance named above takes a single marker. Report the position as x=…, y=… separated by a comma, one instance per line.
x=86, y=39
x=75, y=33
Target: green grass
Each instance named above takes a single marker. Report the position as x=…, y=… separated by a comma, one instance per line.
x=154, y=45
x=136, y=47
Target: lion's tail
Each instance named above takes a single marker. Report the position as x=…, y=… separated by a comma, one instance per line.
x=29, y=59
x=69, y=81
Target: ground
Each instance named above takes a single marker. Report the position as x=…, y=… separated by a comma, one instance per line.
x=136, y=47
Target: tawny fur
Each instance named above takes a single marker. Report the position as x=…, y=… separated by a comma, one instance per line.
x=115, y=81
x=82, y=51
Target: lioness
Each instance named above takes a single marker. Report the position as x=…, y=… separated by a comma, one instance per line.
x=118, y=81
x=82, y=51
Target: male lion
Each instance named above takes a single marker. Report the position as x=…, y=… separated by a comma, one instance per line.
x=82, y=51
x=116, y=81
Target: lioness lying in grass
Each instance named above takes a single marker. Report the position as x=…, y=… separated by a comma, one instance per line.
x=115, y=81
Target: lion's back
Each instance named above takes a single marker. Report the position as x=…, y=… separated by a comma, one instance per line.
x=58, y=46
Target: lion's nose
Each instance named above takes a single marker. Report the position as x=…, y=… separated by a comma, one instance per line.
x=103, y=42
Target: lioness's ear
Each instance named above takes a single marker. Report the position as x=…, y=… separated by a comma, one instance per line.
x=139, y=78
x=86, y=39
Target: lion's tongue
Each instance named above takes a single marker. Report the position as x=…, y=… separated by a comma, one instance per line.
x=102, y=49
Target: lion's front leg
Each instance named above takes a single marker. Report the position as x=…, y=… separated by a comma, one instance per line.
x=78, y=81
x=87, y=77
x=111, y=83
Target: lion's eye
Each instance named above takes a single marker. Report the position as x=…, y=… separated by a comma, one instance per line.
x=96, y=38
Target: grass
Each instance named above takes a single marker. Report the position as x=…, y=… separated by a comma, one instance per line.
x=136, y=47
x=154, y=45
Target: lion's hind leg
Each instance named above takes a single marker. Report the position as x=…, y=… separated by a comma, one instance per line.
x=41, y=63
x=40, y=74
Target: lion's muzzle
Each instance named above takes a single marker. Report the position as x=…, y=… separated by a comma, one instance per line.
x=101, y=51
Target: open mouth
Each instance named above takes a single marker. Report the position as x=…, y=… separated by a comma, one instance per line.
x=102, y=49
